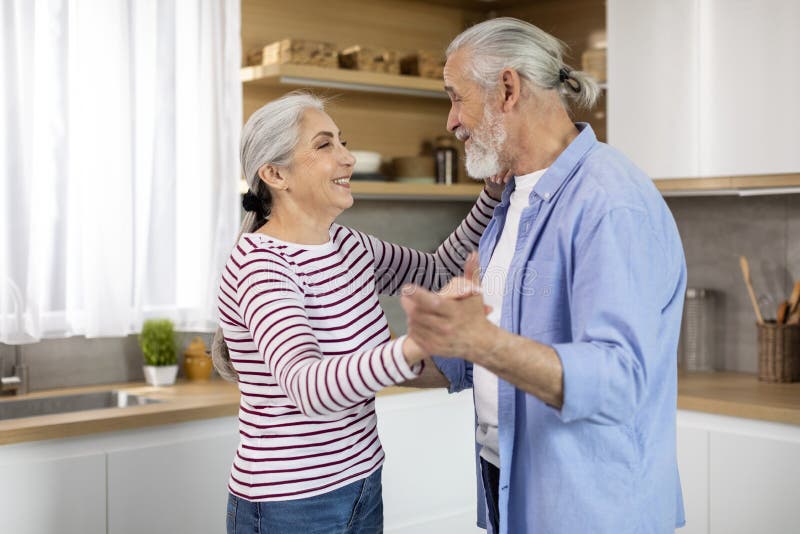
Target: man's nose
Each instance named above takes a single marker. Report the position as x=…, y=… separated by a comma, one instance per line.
x=452, y=121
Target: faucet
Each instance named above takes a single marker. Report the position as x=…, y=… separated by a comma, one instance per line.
x=18, y=382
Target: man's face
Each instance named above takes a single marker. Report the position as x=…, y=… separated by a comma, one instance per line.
x=473, y=119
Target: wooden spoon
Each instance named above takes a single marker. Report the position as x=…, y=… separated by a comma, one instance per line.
x=794, y=300
x=783, y=312
x=746, y=273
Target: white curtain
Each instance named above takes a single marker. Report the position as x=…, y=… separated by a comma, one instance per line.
x=118, y=163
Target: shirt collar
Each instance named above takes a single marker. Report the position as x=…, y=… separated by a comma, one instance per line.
x=555, y=176
x=565, y=163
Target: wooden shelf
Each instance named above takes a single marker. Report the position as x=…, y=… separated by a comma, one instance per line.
x=406, y=191
x=410, y=191
x=761, y=184
x=349, y=80
x=768, y=184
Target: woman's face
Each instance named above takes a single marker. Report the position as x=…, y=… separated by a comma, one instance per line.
x=319, y=174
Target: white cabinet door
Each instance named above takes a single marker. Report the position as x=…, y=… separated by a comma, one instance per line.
x=652, y=84
x=693, y=468
x=177, y=486
x=429, y=473
x=755, y=481
x=703, y=88
x=749, y=79
x=64, y=495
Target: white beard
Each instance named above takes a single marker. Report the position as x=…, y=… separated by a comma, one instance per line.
x=483, y=153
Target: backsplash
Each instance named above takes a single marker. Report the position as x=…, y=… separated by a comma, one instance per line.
x=715, y=232
x=78, y=361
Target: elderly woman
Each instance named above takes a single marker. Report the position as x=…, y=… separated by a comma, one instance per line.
x=302, y=331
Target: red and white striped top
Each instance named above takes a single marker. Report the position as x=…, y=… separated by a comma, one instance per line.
x=311, y=345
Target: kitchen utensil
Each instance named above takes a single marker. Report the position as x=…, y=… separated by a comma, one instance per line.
x=794, y=300
x=696, y=344
x=766, y=302
x=794, y=318
x=746, y=274
x=783, y=312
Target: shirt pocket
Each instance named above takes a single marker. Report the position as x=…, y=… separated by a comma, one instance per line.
x=544, y=306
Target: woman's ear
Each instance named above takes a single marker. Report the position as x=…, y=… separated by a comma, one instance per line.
x=272, y=176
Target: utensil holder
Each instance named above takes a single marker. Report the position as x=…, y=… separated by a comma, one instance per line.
x=778, y=352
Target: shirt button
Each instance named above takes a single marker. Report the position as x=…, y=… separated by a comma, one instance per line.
x=547, y=195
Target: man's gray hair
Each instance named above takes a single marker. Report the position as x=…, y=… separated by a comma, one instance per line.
x=536, y=55
x=271, y=134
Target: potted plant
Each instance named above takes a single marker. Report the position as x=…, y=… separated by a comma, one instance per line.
x=157, y=341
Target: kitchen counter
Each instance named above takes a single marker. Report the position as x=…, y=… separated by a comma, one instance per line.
x=185, y=401
x=733, y=394
x=739, y=395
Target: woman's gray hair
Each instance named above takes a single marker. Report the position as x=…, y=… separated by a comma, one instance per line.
x=536, y=55
x=269, y=136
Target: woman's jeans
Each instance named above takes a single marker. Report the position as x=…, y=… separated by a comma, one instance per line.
x=353, y=509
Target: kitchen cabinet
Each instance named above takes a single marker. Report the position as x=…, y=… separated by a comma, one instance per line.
x=171, y=487
x=173, y=477
x=429, y=479
x=739, y=476
x=43, y=494
x=704, y=88
x=693, y=468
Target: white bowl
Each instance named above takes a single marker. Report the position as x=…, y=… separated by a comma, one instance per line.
x=366, y=161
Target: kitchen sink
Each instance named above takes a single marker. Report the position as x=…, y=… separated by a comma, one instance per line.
x=13, y=409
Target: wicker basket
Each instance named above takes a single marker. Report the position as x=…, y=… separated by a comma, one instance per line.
x=778, y=352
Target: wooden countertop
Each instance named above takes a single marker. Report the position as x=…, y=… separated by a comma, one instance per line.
x=185, y=401
x=734, y=394
x=739, y=395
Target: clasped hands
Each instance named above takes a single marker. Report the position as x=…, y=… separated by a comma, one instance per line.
x=451, y=322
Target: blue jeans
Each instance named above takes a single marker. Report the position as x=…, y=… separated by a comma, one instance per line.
x=491, y=482
x=353, y=509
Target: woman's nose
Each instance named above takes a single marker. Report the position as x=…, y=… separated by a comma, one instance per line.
x=349, y=159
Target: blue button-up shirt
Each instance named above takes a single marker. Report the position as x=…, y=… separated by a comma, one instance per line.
x=599, y=274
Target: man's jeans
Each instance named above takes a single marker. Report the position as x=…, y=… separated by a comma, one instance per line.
x=491, y=482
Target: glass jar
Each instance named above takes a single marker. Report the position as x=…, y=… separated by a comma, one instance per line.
x=696, y=346
x=446, y=157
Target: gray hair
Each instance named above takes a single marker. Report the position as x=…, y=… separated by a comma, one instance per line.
x=269, y=136
x=536, y=55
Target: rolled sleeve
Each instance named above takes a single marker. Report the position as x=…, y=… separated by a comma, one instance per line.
x=457, y=371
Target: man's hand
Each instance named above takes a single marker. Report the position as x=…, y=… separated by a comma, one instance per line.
x=452, y=322
x=495, y=184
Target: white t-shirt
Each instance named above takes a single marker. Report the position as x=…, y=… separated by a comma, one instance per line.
x=493, y=284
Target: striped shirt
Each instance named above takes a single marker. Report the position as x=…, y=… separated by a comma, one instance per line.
x=311, y=345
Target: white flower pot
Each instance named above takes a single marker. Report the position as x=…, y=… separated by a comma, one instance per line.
x=160, y=375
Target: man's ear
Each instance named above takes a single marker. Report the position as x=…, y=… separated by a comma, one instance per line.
x=512, y=87
x=271, y=175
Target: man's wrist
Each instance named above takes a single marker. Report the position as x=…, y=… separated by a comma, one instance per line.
x=484, y=349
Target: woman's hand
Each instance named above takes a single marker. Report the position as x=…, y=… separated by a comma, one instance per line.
x=413, y=352
x=495, y=184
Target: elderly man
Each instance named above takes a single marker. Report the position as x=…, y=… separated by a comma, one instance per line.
x=574, y=369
